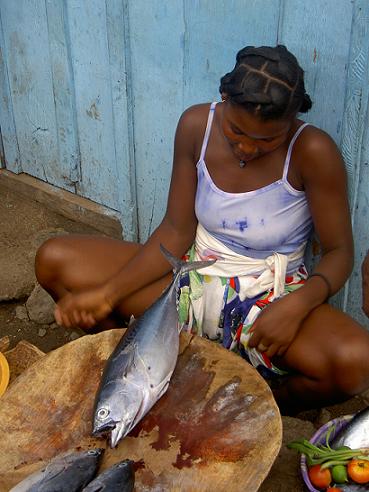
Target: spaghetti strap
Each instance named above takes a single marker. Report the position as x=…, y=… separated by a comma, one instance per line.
x=207, y=131
x=289, y=152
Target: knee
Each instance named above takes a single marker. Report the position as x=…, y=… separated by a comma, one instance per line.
x=351, y=367
x=49, y=258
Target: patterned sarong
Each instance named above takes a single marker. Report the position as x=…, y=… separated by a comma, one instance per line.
x=216, y=303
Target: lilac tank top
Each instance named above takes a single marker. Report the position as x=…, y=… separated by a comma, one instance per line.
x=274, y=218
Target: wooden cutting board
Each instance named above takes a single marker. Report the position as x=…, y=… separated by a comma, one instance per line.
x=217, y=428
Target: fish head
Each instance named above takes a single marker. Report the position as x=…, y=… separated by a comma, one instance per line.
x=121, y=473
x=90, y=455
x=115, y=411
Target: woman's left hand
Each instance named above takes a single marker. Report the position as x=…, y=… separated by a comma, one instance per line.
x=277, y=325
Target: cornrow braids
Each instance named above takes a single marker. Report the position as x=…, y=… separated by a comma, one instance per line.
x=267, y=81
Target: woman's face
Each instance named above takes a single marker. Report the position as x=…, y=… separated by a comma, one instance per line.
x=249, y=136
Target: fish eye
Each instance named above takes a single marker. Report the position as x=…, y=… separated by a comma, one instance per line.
x=103, y=413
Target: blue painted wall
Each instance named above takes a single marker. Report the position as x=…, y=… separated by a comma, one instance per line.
x=91, y=91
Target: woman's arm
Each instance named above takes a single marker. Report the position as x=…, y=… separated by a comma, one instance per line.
x=322, y=172
x=324, y=177
x=176, y=232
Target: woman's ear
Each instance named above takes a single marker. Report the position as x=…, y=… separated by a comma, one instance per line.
x=224, y=96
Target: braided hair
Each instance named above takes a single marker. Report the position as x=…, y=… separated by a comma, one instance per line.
x=268, y=82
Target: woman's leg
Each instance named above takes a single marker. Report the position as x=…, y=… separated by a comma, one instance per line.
x=329, y=360
x=74, y=263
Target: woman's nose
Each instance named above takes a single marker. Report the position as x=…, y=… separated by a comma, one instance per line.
x=247, y=148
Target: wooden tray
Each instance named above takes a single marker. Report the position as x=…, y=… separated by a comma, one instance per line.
x=217, y=428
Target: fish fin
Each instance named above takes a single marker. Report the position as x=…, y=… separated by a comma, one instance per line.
x=175, y=262
x=196, y=265
x=184, y=266
x=164, y=388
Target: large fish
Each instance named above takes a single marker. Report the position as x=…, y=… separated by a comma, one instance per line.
x=138, y=372
x=65, y=473
x=118, y=478
x=356, y=433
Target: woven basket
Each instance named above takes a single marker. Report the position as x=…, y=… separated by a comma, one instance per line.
x=319, y=438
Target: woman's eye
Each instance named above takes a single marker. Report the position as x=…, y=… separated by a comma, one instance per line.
x=267, y=140
x=236, y=131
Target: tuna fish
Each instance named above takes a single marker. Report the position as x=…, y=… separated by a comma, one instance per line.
x=118, y=478
x=356, y=433
x=65, y=473
x=138, y=372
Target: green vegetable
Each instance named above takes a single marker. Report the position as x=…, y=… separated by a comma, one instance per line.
x=326, y=456
x=339, y=473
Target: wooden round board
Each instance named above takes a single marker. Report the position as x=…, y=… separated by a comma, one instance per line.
x=217, y=428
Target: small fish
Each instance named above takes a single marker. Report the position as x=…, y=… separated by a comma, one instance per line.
x=356, y=433
x=138, y=372
x=65, y=473
x=118, y=478
x=353, y=487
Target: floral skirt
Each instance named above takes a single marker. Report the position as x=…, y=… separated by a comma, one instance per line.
x=210, y=306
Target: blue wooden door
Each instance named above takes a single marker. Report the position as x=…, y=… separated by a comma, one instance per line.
x=92, y=91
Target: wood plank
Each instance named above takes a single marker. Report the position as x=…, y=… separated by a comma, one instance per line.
x=214, y=33
x=353, y=298
x=27, y=54
x=63, y=95
x=355, y=149
x=10, y=148
x=121, y=87
x=92, y=85
x=64, y=202
x=321, y=43
x=156, y=34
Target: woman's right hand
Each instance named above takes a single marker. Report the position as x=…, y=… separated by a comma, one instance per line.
x=83, y=309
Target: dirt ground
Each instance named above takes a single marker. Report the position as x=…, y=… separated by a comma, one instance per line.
x=25, y=224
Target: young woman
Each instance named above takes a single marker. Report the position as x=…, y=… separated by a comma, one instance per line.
x=250, y=180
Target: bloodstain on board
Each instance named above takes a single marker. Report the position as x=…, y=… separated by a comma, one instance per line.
x=208, y=429
x=62, y=427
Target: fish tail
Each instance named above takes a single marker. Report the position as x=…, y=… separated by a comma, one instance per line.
x=184, y=266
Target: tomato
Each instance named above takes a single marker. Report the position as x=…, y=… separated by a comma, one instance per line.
x=318, y=477
x=358, y=470
x=334, y=489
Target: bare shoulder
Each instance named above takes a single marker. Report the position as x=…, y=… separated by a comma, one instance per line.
x=195, y=116
x=316, y=152
x=191, y=127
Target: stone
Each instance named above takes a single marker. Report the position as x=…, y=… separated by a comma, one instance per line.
x=41, y=236
x=324, y=417
x=4, y=343
x=365, y=397
x=21, y=312
x=42, y=332
x=74, y=335
x=40, y=306
x=17, y=278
